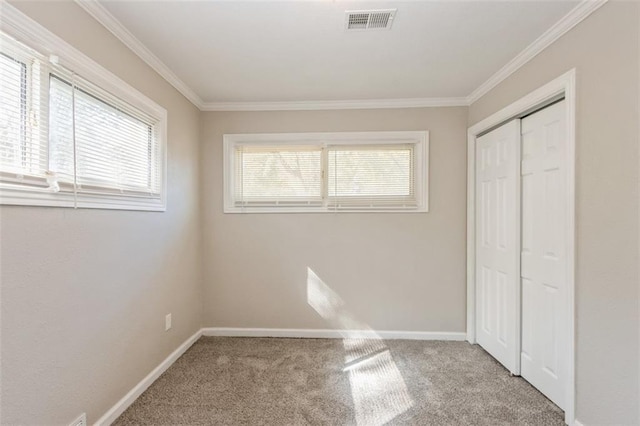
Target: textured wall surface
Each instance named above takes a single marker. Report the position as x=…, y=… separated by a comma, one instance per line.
x=604, y=50
x=85, y=292
x=393, y=271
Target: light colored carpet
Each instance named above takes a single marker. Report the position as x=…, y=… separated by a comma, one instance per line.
x=262, y=381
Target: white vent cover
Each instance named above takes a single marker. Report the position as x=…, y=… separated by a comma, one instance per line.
x=381, y=19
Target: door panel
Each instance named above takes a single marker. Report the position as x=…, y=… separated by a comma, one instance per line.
x=543, y=256
x=498, y=246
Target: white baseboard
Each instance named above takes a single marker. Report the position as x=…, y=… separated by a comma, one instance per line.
x=577, y=423
x=332, y=333
x=120, y=406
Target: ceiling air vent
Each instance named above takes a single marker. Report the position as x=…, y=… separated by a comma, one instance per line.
x=369, y=19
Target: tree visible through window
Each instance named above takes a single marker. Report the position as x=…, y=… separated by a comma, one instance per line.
x=283, y=174
x=112, y=148
x=371, y=173
x=66, y=141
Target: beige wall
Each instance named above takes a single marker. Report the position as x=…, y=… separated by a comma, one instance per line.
x=84, y=292
x=398, y=271
x=604, y=50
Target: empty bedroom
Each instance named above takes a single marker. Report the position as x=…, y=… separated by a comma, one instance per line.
x=320, y=212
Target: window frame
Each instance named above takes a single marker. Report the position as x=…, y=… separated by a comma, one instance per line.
x=418, y=139
x=62, y=55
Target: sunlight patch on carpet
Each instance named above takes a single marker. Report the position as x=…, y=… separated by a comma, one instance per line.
x=378, y=390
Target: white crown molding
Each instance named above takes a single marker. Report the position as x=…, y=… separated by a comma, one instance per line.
x=342, y=104
x=570, y=20
x=103, y=16
x=28, y=31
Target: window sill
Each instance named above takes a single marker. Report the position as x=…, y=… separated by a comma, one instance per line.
x=42, y=198
x=324, y=210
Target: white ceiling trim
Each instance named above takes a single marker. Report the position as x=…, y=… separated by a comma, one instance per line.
x=570, y=20
x=102, y=15
x=325, y=105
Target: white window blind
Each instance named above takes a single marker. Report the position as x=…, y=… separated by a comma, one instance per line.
x=66, y=141
x=22, y=155
x=366, y=171
x=114, y=149
x=371, y=176
x=13, y=112
x=278, y=175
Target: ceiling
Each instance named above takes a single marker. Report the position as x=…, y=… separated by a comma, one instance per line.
x=275, y=51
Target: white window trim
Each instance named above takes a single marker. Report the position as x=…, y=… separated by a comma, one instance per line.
x=419, y=138
x=32, y=34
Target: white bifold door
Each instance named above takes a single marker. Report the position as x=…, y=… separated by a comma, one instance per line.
x=543, y=261
x=521, y=289
x=497, y=243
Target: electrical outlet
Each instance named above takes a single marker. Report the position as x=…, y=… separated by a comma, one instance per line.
x=167, y=322
x=80, y=421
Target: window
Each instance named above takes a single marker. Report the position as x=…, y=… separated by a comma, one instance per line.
x=324, y=172
x=76, y=139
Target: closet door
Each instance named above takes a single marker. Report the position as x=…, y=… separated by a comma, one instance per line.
x=498, y=244
x=543, y=262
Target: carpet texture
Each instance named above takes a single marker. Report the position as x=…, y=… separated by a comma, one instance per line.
x=263, y=381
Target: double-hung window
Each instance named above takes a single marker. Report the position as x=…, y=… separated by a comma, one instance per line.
x=67, y=141
x=324, y=172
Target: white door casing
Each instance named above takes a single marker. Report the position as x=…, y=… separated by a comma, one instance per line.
x=543, y=261
x=498, y=243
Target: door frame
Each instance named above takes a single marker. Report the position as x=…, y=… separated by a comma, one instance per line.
x=565, y=85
